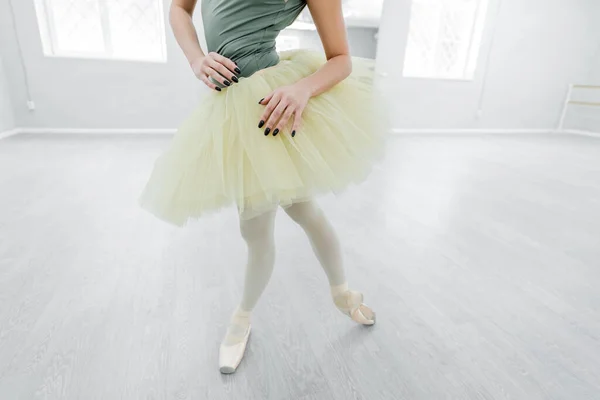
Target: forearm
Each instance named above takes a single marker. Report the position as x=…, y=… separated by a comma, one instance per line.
x=185, y=33
x=335, y=70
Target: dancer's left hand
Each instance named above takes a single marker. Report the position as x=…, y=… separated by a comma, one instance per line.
x=282, y=104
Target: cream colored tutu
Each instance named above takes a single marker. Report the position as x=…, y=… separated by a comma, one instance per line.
x=220, y=157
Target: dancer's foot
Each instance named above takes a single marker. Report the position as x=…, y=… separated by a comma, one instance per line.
x=351, y=304
x=234, y=343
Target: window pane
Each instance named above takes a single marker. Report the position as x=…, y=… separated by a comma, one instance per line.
x=363, y=9
x=77, y=26
x=121, y=29
x=422, y=35
x=287, y=42
x=136, y=29
x=444, y=38
x=354, y=10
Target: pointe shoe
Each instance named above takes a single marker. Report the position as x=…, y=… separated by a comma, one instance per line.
x=230, y=356
x=351, y=304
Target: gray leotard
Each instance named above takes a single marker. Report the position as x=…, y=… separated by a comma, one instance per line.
x=245, y=30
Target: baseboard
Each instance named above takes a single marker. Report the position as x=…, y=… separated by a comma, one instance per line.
x=10, y=132
x=98, y=131
x=402, y=131
x=144, y=131
x=582, y=133
x=471, y=131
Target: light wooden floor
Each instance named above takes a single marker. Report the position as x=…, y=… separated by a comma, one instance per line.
x=480, y=254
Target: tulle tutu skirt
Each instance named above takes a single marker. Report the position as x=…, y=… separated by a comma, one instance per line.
x=219, y=157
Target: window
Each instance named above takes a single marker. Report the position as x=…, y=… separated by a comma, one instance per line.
x=287, y=42
x=113, y=29
x=361, y=13
x=444, y=38
x=357, y=14
x=366, y=11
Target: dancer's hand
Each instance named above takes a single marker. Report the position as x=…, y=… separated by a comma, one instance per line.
x=215, y=66
x=282, y=104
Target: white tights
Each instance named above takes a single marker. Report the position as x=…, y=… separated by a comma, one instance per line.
x=259, y=235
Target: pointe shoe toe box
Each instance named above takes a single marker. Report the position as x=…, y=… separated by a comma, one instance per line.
x=230, y=355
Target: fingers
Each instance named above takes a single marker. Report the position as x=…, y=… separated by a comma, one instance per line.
x=278, y=112
x=297, y=121
x=224, y=72
x=283, y=121
x=266, y=100
x=208, y=83
x=275, y=117
x=211, y=72
x=225, y=62
x=271, y=105
x=214, y=68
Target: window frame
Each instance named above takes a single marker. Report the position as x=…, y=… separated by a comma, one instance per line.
x=476, y=38
x=48, y=36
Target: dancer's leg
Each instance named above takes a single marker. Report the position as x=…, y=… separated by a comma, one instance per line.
x=323, y=239
x=258, y=233
x=327, y=248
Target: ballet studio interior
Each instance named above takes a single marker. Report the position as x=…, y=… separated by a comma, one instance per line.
x=444, y=169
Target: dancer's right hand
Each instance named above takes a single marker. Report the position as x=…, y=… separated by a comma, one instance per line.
x=217, y=67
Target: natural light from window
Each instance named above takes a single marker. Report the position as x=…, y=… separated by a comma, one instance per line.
x=287, y=42
x=357, y=14
x=444, y=38
x=110, y=29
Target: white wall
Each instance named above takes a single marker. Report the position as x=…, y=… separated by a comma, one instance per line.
x=84, y=93
x=7, y=120
x=535, y=49
x=594, y=76
x=583, y=117
x=10, y=84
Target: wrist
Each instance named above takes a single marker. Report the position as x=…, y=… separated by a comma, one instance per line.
x=304, y=86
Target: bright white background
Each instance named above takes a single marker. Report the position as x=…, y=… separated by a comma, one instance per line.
x=6, y=109
x=531, y=51
x=538, y=48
